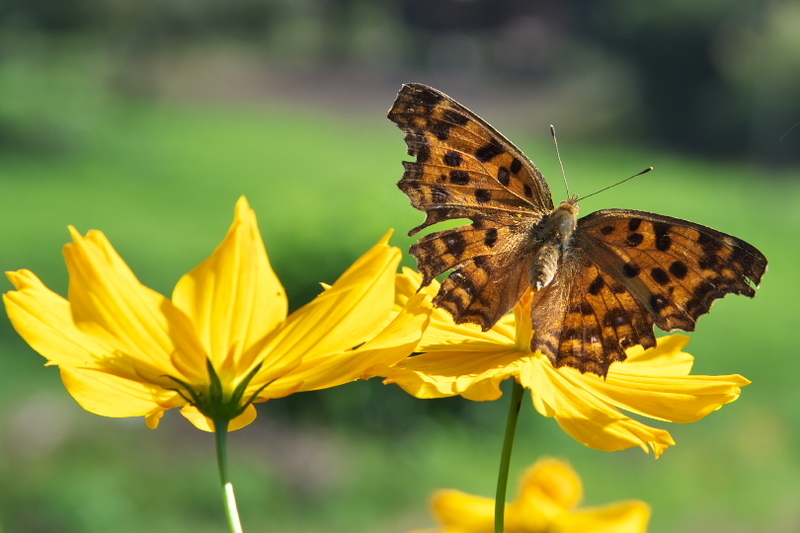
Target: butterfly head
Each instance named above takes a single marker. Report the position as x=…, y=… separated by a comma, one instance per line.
x=562, y=221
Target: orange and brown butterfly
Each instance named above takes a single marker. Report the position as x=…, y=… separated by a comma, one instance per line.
x=601, y=281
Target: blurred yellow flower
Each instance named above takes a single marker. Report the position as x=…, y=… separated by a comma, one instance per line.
x=222, y=342
x=549, y=494
x=463, y=360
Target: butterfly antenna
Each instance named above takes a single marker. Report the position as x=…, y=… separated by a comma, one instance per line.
x=645, y=171
x=787, y=131
x=561, y=164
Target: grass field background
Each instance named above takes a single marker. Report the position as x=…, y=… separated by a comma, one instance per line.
x=161, y=181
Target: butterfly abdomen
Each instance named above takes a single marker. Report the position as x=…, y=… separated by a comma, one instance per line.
x=550, y=239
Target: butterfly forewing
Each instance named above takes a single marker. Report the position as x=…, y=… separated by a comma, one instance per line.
x=463, y=165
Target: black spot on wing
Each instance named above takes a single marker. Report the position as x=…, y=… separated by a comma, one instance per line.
x=491, y=237
x=631, y=270
x=489, y=151
x=456, y=117
x=482, y=195
x=663, y=240
x=596, y=285
x=459, y=177
x=678, y=269
x=659, y=276
x=456, y=244
x=658, y=302
x=504, y=176
x=425, y=95
x=453, y=159
x=615, y=317
x=634, y=239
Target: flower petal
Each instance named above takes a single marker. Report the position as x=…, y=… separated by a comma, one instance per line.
x=622, y=517
x=349, y=313
x=460, y=512
x=109, y=303
x=203, y=423
x=393, y=343
x=234, y=298
x=475, y=374
x=44, y=320
x=552, y=480
x=108, y=395
x=582, y=415
x=658, y=394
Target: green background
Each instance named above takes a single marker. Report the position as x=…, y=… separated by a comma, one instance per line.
x=157, y=161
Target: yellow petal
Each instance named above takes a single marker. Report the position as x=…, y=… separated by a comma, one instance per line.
x=109, y=303
x=549, y=492
x=234, y=298
x=203, y=423
x=623, y=517
x=646, y=387
x=552, y=480
x=667, y=358
x=475, y=375
x=351, y=312
x=582, y=415
x=392, y=344
x=460, y=512
x=44, y=320
x=107, y=395
x=153, y=420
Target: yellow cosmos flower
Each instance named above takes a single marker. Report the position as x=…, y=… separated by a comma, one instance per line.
x=463, y=360
x=549, y=494
x=222, y=342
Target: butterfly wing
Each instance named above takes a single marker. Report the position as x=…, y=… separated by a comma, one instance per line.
x=463, y=165
x=628, y=270
x=465, y=168
x=674, y=268
x=489, y=274
x=586, y=319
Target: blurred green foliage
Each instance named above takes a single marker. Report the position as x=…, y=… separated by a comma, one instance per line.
x=711, y=78
x=92, y=135
x=161, y=182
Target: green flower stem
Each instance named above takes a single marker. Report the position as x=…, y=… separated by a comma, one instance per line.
x=221, y=432
x=505, y=458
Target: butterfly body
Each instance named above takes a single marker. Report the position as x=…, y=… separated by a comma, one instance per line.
x=601, y=282
x=551, y=241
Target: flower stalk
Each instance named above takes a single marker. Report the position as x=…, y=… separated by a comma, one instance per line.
x=505, y=457
x=228, y=497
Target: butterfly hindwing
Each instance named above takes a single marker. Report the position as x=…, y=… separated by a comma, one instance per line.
x=485, y=260
x=674, y=268
x=585, y=319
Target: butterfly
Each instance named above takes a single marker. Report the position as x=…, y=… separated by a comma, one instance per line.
x=601, y=282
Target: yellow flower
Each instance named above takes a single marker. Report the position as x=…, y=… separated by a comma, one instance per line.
x=224, y=339
x=547, y=503
x=463, y=360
